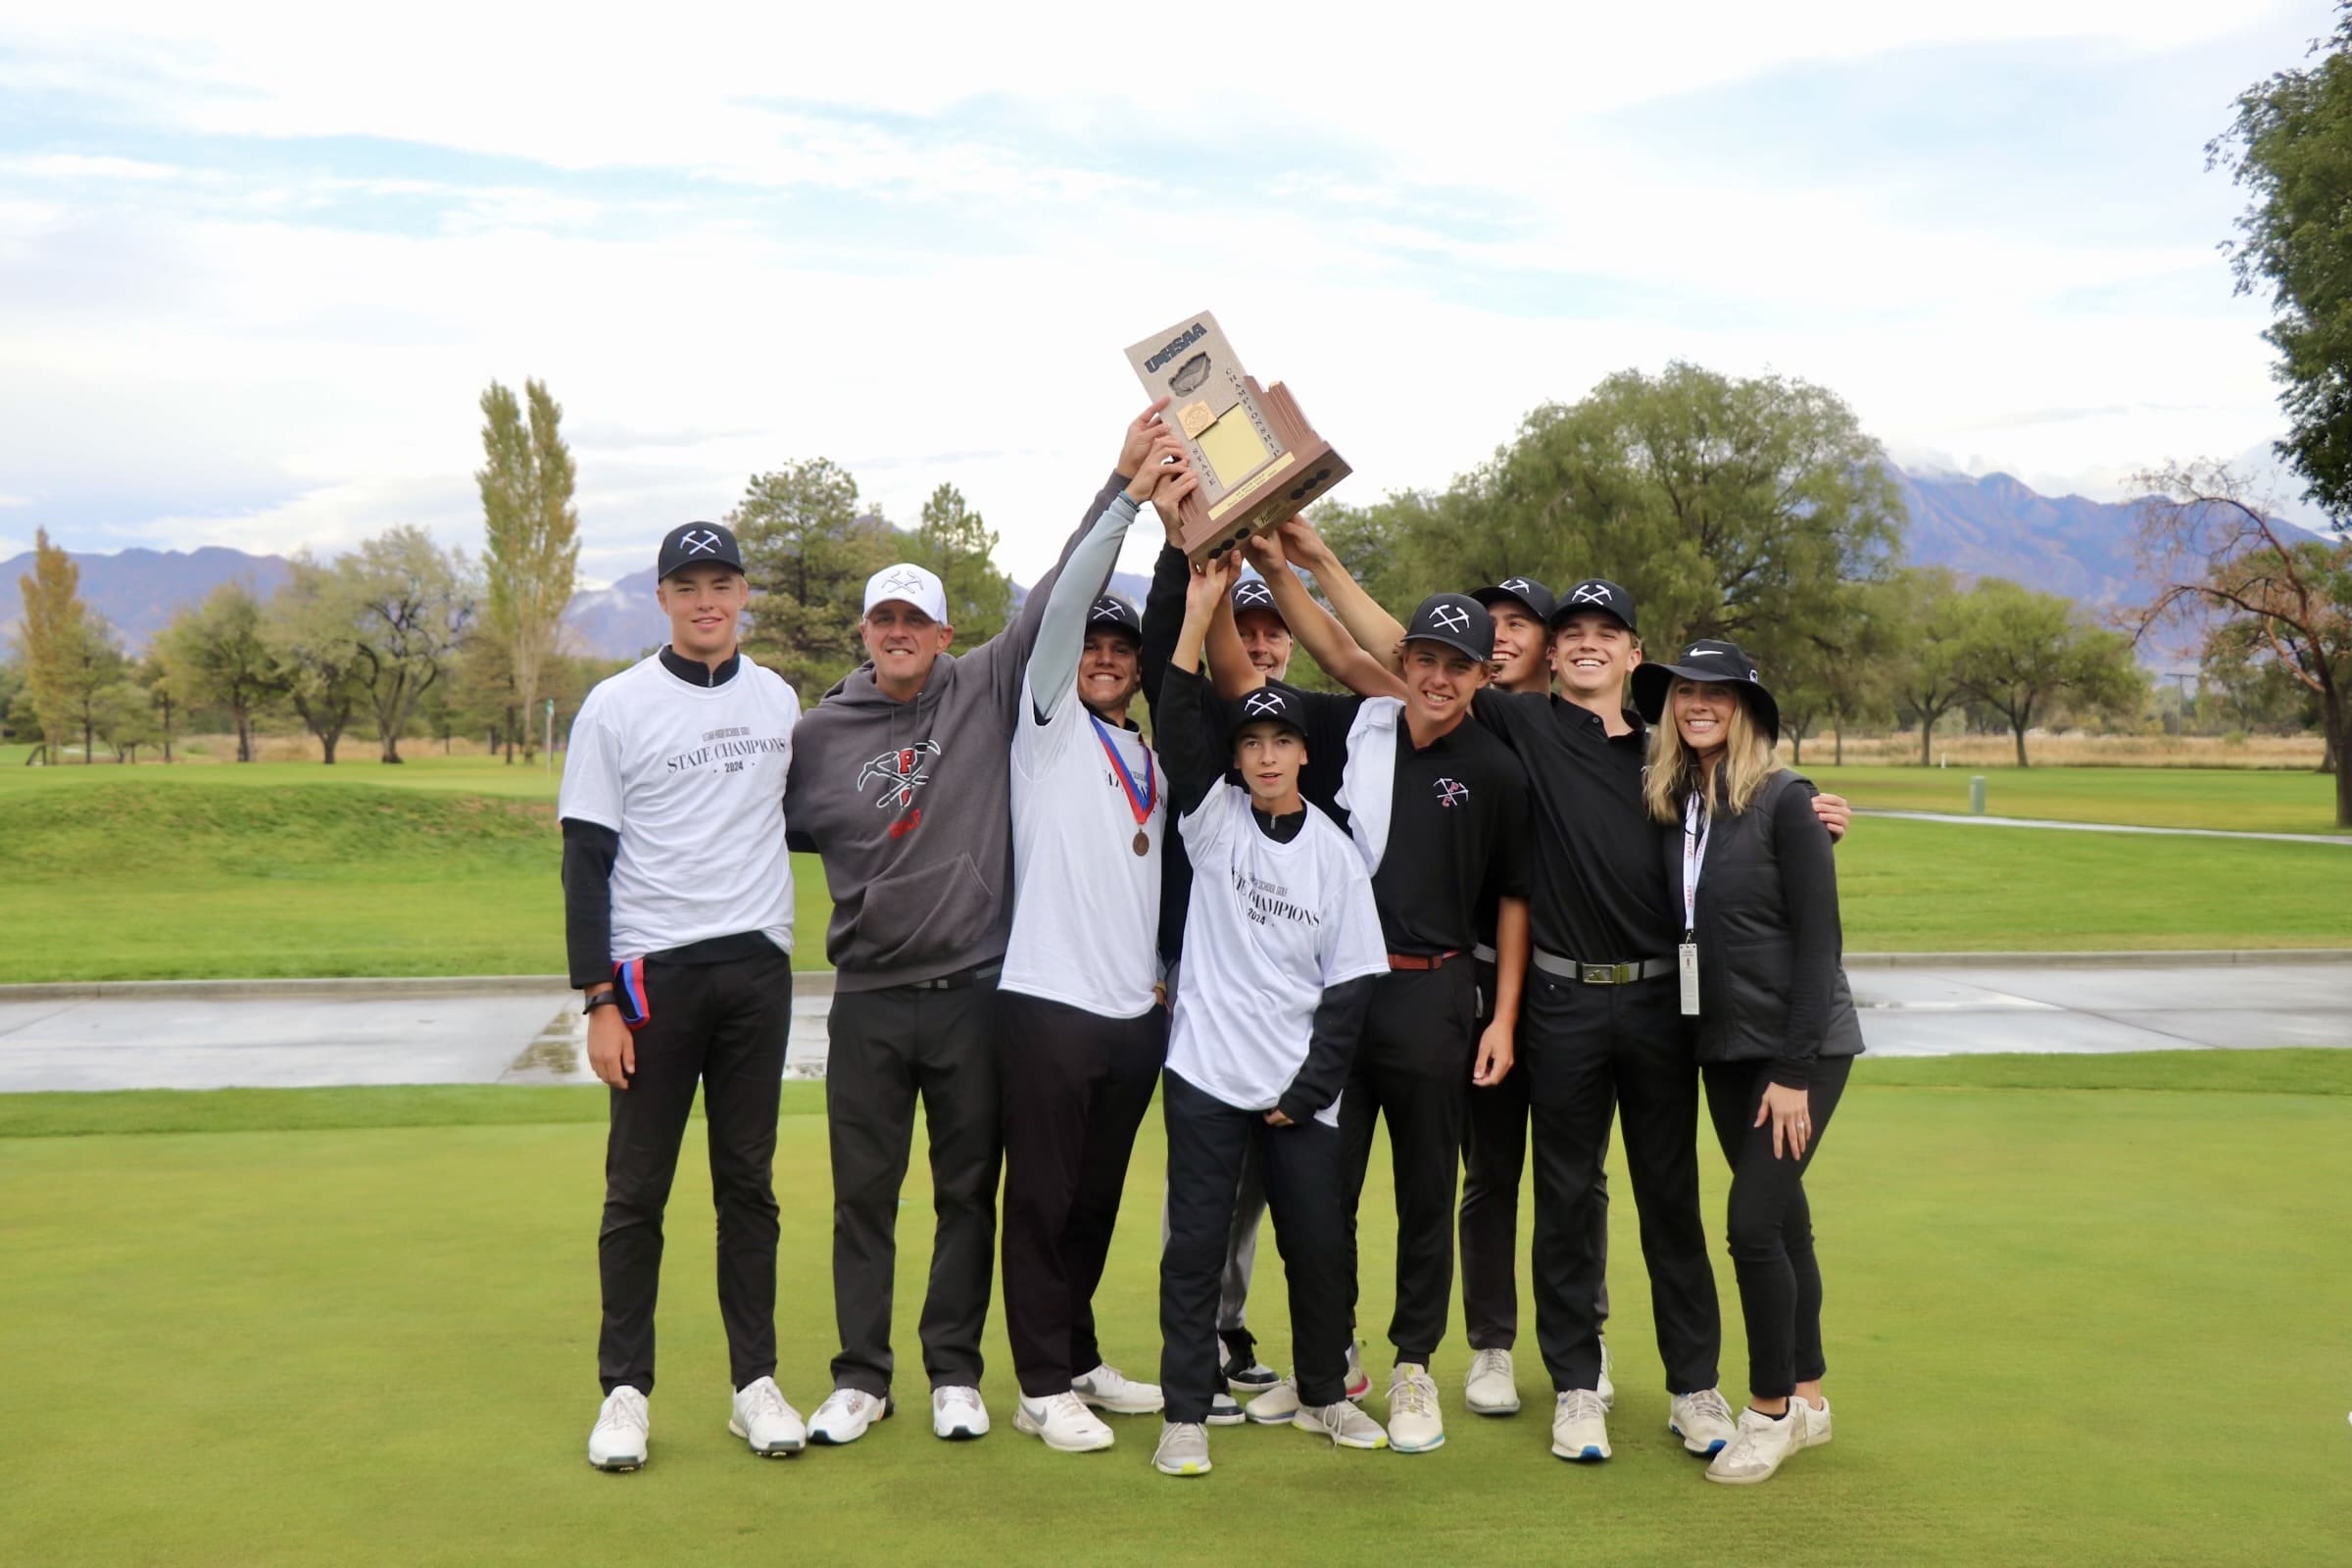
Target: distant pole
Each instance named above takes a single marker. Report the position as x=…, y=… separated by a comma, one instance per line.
x=551, y=735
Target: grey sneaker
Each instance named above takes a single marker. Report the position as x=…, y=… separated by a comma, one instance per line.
x=1183, y=1449
x=1493, y=1386
x=1702, y=1421
x=1816, y=1430
x=1757, y=1450
x=1415, y=1424
x=1345, y=1425
x=1359, y=1381
x=1224, y=1410
x=1274, y=1406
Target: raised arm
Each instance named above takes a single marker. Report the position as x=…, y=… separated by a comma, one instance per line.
x=1188, y=739
x=1163, y=614
x=1062, y=628
x=1374, y=629
x=1325, y=639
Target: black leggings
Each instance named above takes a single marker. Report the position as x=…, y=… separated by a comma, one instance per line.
x=1771, y=1225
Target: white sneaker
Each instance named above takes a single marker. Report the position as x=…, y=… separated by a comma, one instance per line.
x=762, y=1419
x=1183, y=1449
x=1106, y=1389
x=1702, y=1421
x=1359, y=1381
x=1415, y=1424
x=957, y=1414
x=622, y=1425
x=1224, y=1410
x=1274, y=1406
x=1756, y=1450
x=1062, y=1421
x=1815, y=1432
x=1579, y=1428
x=1345, y=1424
x=1605, y=1387
x=1493, y=1386
x=844, y=1415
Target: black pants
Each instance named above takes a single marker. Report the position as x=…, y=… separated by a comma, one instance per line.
x=1412, y=1066
x=887, y=1048
x=1075, y=1087
x=1493, y=1154
x=1589, y=1050
x=724, y=1026
x=1771, y=1224
x=1206, y=1141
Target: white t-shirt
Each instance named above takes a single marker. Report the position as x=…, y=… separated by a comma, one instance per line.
x=1085, y=906
x=692, y=779
x=1269, y=927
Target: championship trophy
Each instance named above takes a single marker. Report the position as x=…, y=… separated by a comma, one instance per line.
x=1259, y=460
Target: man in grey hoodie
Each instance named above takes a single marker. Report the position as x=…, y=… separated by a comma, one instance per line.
x=899, y=782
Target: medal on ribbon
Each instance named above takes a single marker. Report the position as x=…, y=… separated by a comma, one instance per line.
x=1139, y=800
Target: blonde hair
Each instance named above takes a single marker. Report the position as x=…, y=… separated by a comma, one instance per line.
x=1672, y=776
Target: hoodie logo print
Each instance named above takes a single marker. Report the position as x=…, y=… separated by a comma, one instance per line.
x=901, y=772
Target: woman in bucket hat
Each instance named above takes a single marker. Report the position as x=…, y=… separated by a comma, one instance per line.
x=1773, y=1021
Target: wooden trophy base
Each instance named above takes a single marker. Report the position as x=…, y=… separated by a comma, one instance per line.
x=1303, y=474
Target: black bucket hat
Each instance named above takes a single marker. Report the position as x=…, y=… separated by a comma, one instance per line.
x=1717, y=663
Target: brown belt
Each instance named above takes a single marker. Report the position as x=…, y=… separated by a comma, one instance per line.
x=1417, y=960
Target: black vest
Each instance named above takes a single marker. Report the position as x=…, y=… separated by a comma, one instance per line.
x=1747, y=955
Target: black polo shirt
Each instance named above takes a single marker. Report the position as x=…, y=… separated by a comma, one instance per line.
x=1459, y=825
x=1598, y=893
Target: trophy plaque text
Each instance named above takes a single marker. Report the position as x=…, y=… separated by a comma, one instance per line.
x=1259, y=460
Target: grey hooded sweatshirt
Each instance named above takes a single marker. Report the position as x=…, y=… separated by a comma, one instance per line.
x=911, y=804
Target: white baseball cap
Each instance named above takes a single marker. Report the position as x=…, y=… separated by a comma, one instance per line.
x=910, y=584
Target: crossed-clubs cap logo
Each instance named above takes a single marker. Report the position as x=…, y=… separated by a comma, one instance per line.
x=1451, y=793
x=1261, y=705
x=1251, y=595
x=1450, y=617
x=704, y=543
x=1516, y=585
x=903, y=582
x=1109, y=610
x=1591, y=593
x=901, y=772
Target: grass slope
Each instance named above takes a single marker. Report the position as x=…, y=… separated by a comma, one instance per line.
x=2245, y=800
x=368, y=1341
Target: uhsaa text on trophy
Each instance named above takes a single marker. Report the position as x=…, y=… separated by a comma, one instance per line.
x=1259, y=460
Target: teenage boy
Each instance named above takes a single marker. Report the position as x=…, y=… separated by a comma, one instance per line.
x=1600, y=1028
x=899, y=781
x=677, y=923
x=1282, y=943
x=1084, y=1032
x=1439, y=809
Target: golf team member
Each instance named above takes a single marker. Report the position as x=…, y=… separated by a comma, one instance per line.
x=1282, y=943
x=1438, y=808
x=1495, y=1142
x=1084, y=1030
x=677, y=915
x=1268, y=644
x=1769, y=1007
x=899, y=781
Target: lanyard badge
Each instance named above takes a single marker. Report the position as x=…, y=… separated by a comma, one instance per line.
x=1696, y=826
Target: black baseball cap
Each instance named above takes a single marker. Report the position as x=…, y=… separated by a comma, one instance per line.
x=698, y=544
x=1252, y=593
x=1117, y=614
x=1716, y=662
x=1597, y=593
x=1525, y=590
x=1274, y=701
x=1459, y=621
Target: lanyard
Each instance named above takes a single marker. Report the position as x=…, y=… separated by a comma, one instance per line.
x=1140, y=802
x=1696, y=826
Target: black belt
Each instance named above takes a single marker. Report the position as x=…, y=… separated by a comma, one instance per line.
x=979, y=974
x=1600, y=974
x=1423, y=961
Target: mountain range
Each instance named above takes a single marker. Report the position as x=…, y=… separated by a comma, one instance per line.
x=1992, y=526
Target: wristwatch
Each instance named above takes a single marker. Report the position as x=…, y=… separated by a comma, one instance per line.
x=600, y=998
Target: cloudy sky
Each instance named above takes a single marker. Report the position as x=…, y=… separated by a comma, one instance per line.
x=257, y=263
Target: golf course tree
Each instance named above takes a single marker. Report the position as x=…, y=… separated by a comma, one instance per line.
x=531, y=562
x=2242, y=687
x=2220, y=555
x=1731, y=506
x=55, y=637
x=1839, y=671
x=312, y=628
x=413, y=603
x=2021, y=652
x=216, y=655
x=807, y=553
x=1926, y=616
x=154, y=679
x=954, y=542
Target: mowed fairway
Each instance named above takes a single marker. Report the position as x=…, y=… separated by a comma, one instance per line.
x=2243, y=800
x=296, y=870
x=375, y=1344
